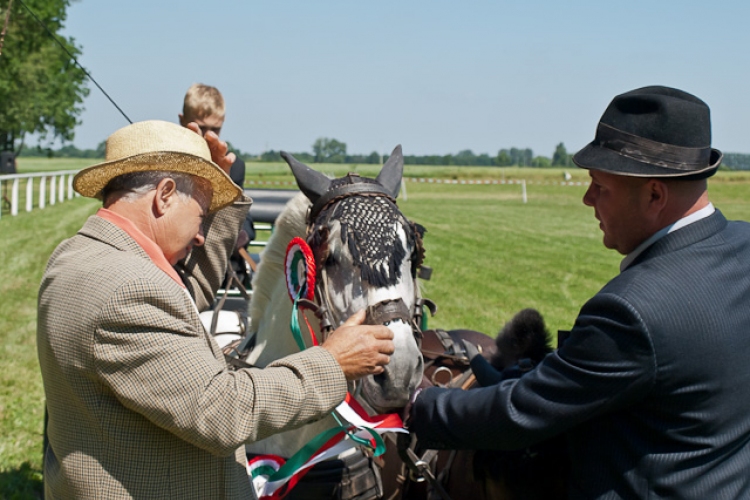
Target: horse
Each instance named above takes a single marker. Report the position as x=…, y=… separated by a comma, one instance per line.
x=339, y=218
x=367, y=256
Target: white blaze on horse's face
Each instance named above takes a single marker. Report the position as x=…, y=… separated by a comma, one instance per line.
x=348, y=294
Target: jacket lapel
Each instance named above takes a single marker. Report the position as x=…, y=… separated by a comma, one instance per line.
x=109, y=234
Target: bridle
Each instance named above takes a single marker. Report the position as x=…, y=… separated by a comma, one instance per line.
x=318, y=221
x=384, y=312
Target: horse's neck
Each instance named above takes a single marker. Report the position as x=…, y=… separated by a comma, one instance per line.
x=270, y=311
x=271, y=308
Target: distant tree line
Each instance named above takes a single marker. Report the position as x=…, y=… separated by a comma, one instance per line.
x=736, y=161
x=326, y=150
x=68, y=151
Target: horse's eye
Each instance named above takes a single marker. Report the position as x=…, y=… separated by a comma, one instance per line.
x=330, y=259
x=333, y=255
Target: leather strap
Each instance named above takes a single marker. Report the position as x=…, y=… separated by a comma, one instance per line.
x=344, y=191
x=386, y=311
x=250, y=261
x=231, y=278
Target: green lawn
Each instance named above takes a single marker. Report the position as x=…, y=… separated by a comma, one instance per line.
x=26, y=243
x=491, y=253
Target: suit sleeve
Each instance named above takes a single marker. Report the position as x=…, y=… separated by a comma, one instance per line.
x=203, y=271
x=607, y=364
x=154, y=361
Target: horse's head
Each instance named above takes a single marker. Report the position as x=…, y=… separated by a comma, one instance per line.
x=367, y=254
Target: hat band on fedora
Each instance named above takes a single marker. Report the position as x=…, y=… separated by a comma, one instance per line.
x=652, y=152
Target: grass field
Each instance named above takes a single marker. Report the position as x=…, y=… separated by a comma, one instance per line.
x=491, y=253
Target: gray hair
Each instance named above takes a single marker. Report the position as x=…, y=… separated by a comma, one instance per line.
x=132, y=186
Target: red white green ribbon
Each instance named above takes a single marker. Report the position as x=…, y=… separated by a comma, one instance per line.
x=300, y=269
x=273, y=476
x=299, y=264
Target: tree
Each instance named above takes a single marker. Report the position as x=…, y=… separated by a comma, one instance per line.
x=465, y=157
x=561, y=158
x=503, y=158
x=527, y=156
x=373, y=158
x=41, y=88
x=540, y=162
x=736, y=161
x=329, y=151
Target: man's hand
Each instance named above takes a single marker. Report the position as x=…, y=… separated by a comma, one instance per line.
x=360, y=349
x=217, y=147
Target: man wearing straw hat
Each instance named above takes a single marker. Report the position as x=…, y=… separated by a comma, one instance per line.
x=652, y=385
x=141, y=403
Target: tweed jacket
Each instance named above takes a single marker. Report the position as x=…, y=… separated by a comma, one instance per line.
x=652, y=387
x=141, y=403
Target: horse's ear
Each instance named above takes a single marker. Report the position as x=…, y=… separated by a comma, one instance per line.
x=391, y=173
x=310, y=182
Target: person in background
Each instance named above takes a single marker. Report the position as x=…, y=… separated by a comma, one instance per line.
x=141, y=402
x=652, y=385
x=204, y=106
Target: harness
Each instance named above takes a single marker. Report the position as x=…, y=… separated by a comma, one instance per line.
x=446, y=365
x=446, y=362
x=437, y=347
x=386, y=311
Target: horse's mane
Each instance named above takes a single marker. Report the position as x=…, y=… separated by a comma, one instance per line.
x=290, y=223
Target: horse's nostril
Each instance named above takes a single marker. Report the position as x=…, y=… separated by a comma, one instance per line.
x=379, y=379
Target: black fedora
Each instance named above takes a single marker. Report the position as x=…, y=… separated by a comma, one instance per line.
x=653, y=132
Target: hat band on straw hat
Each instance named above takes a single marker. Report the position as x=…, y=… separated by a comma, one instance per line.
x=652, y=152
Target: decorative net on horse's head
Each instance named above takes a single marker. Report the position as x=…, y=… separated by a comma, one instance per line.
x=369, y=228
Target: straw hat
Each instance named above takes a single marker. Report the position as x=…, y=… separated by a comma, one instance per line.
x=157, y=145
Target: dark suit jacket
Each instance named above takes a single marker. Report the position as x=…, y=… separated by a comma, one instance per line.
x=652, y=387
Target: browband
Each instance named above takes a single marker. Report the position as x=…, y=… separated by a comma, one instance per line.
x=345, y=190
x=652, y=152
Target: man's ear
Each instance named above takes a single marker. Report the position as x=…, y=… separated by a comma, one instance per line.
x=166, y=194
x=658, y=194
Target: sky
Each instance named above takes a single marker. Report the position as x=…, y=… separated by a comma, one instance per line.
x=436, y=76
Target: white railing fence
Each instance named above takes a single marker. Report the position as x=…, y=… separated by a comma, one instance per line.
x=53, y=187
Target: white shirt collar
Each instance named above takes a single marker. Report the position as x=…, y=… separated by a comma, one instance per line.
x=689, y=219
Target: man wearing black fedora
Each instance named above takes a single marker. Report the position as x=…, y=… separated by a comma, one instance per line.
x=652, y=386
